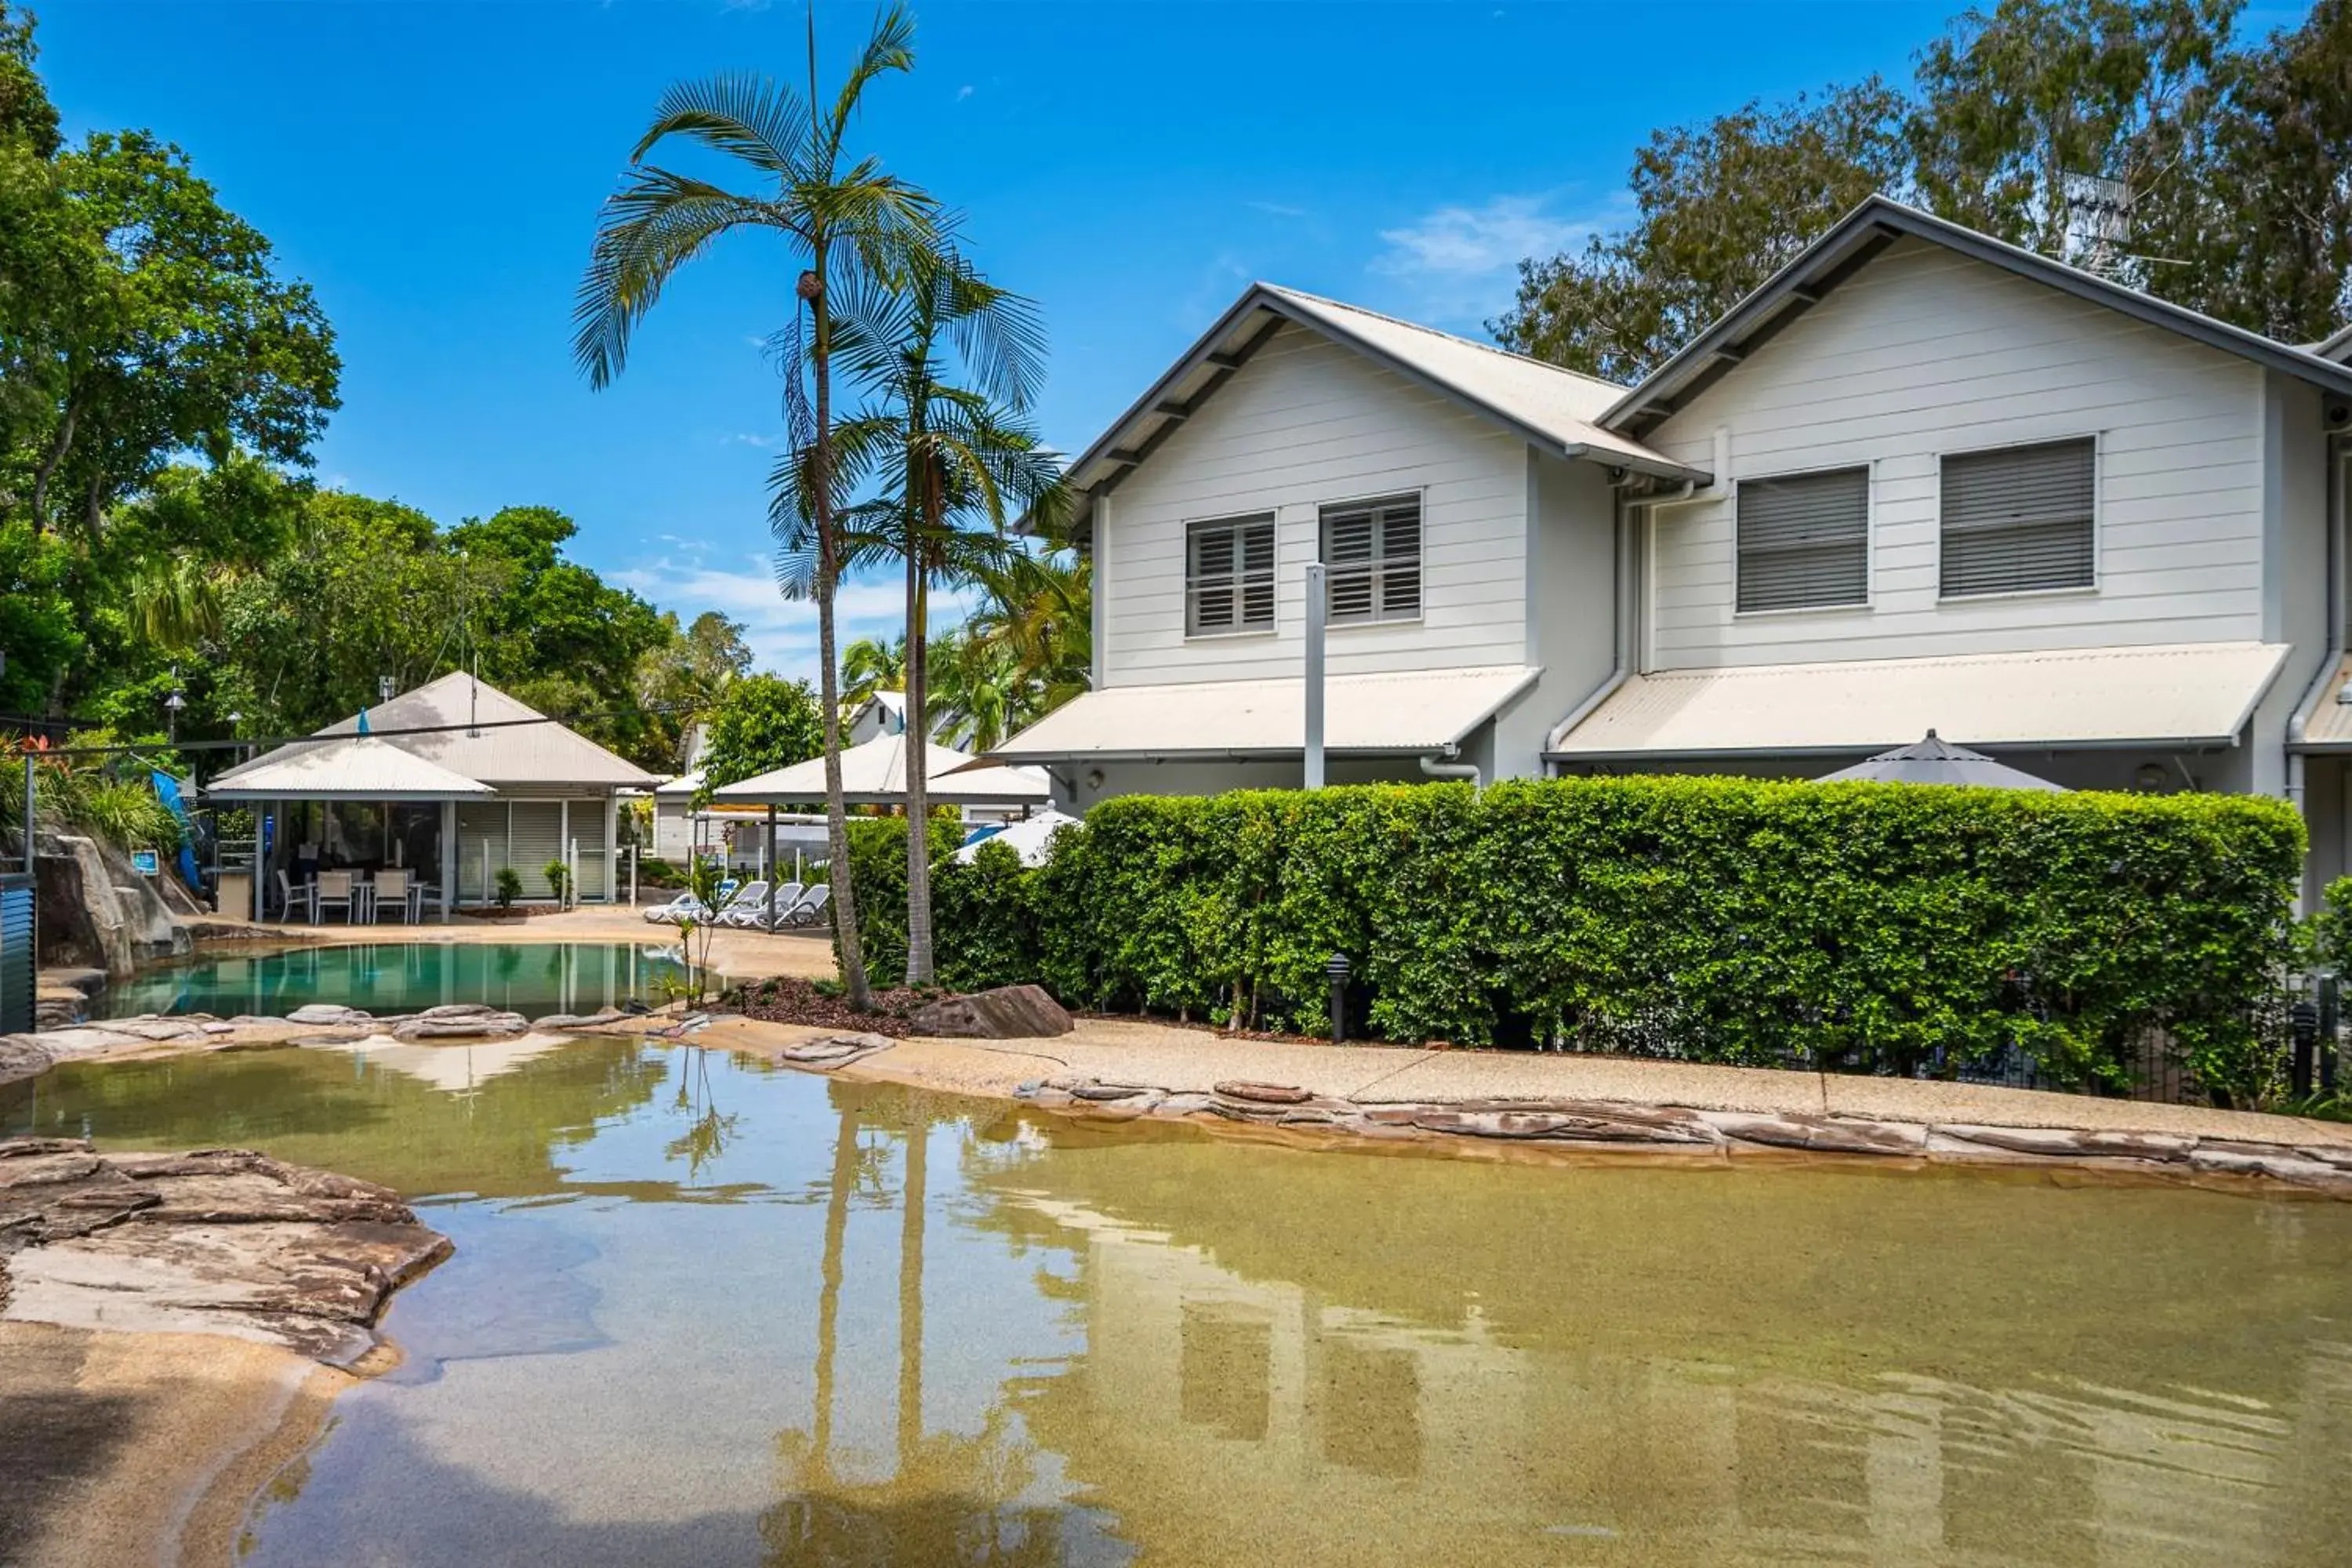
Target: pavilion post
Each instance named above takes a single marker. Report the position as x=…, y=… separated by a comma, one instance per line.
x=767, y=853
x=448, y=859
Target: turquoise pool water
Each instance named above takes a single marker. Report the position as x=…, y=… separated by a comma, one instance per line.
x=533, y=978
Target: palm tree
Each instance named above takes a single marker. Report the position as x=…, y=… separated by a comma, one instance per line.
x=949, y=459
x=870, y=665
x=847, y=220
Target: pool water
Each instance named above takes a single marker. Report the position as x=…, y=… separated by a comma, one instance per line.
x=703, y=1312
x=533, y=978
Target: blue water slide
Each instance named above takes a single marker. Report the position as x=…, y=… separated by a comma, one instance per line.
x=169, y=791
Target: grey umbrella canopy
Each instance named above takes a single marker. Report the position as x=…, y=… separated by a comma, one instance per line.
x=1937, y=761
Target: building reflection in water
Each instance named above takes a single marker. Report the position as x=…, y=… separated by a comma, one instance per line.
x=1225, y=1410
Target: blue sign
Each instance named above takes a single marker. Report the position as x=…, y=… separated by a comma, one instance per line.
x=144, y=862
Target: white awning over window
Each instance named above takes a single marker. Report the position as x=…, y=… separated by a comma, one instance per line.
x=1373, y=715
x=2186, y=694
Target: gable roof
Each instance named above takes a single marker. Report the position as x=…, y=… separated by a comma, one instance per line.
x=1555, y=409
x=356, y=765
x=1858, y=237
x=509, y=751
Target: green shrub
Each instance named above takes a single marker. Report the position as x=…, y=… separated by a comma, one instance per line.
x=508, y=883
x=559, y=879
x=1869, y=927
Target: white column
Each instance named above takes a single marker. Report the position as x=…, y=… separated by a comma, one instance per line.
x=612, y=850
x=1318, y=600
x=448, y=858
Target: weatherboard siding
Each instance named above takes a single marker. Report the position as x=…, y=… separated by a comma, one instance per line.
x=1303, y=424
x=1924, y=352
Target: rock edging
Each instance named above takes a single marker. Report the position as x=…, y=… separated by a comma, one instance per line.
x=1628, y=1126
x=209, y=1241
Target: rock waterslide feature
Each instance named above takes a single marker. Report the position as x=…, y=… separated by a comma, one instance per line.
x=835, y=1051
x=223, y=1241
x=1007, y=1013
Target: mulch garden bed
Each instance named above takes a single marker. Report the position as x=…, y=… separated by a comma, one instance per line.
x=789, y=1001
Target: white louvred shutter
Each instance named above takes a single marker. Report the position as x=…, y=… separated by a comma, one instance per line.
x=1804, y=540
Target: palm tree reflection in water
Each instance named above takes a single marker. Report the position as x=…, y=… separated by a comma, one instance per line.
x=949, y=1498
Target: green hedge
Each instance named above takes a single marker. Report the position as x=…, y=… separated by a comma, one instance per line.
x=1866, y=926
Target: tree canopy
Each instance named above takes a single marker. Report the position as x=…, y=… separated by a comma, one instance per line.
x=2237, y=158
x=763, y=723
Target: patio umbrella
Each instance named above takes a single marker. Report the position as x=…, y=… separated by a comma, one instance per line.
x=1937, y=761
x=1026, y=838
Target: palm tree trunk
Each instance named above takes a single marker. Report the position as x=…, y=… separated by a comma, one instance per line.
x=913, y=1197
x=919, y=969
x=836, y=813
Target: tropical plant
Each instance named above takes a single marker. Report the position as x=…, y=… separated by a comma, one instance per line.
x=870, y=665
x=949, y=459
x=559, y=877
x=847, y=220
x=508, y=883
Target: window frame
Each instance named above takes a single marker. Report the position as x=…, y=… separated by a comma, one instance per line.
x=1868, y=468
x=1375, y=568
x=1239, y=579
x=2098, y=440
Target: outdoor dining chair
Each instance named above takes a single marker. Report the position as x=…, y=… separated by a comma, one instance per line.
x=333, y=890
x=392, y=887
x=293, y=896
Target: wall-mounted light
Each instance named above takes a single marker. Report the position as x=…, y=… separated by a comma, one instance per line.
x=2151, y=778
x=1094, y=778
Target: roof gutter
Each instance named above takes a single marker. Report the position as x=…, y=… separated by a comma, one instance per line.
x=1757, y=753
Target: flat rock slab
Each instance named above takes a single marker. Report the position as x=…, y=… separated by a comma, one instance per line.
x=329, y=1013
x=219, y=1241
x=1591, y=1123
x=2072, y=1144
x=465, y=1026
x=834, y=1050
x=1827, y=1134
x=1007, y=1013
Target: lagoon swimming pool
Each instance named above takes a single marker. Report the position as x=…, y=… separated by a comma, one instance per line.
x=707, y=1311
x=533, y=978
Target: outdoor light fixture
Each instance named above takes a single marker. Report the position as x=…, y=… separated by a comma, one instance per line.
x=385, y=686
x=1336, y=966
x=171, y=706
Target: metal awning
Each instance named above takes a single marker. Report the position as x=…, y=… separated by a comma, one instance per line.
x=1365, y=715
x=361, y=768
x=2180, y=696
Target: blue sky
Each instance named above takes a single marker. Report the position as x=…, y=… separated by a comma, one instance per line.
x=435, y=171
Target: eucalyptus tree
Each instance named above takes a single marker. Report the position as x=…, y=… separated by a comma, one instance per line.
x=846, y=220
x=949, y=462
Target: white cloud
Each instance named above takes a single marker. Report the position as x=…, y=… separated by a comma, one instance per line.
x=750, y=440
x=782, y=633
x=1275, y=209
x=1462, y=261
x=964, y=91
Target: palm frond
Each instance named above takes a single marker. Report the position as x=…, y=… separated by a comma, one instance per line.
x=655, y=225
x=761, y=121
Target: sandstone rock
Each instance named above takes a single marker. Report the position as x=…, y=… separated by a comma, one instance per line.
x=217, y=1241
x=460, y=1027
x=1096, y=1090
x=460, y=1010
x=161, y=1029
x=834, y=1050
x=328, y=1013
x=89, y=982
x=2069, y=1143
x=24, y=1056
x=1183, y=1105
x=1007, y=1013
x=1583, y=1123
x=2282, y=1165
x=1827, y=1134
x=1263, y=1094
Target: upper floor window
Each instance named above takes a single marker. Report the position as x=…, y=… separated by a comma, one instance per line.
x=1372, y=552
x=1804, y=540
x=1229, y=576
x=2018, y=520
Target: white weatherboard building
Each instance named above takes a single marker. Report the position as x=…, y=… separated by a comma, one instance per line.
x=451, y=783
x=1920, y=480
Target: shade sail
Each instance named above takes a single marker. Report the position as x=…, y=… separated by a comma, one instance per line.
x=1424, y=711
x=1936, y=760
x=876, y=774
x=2176, y=695
x=359, y=768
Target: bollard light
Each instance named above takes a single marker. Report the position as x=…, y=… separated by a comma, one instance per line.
x=1335, y=967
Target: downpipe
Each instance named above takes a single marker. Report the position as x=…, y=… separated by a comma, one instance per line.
x=1437, y=765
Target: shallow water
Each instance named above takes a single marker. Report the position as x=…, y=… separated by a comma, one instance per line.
x=705, y=1312
x=533, y=978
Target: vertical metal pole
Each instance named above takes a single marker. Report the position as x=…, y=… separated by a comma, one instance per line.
x=2331, y=1014
x=1317, y=607
x=28, y=812
x=766, y=853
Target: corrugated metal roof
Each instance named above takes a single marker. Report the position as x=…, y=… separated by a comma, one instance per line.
x=1557, y=409
x=876, y=774
x=1425, y=710
x=2328, y=727
x=2192, y=693
x=359, y=768
x=506, y=754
